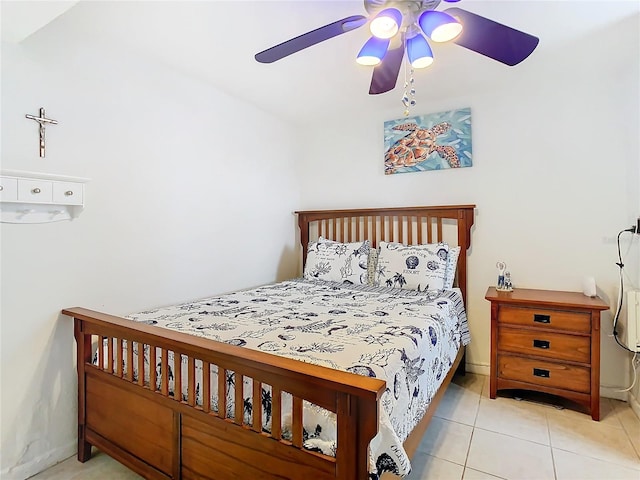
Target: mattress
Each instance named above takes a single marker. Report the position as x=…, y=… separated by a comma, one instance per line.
x=410, y=339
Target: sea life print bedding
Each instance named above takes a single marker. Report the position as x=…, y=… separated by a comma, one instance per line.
x=408, y=338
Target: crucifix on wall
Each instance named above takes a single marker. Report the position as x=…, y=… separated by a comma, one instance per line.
x=43, y=121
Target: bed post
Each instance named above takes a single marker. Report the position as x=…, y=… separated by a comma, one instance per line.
x=366, y=431
x=303, y=225
x=83, y=343
x=465, y=222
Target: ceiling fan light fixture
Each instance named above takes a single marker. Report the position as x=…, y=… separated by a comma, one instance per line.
x=373, y=51
x=439, y=26
x=419, y=52
x=387, y=23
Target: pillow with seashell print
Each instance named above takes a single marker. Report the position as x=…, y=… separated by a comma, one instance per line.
x=337, y=262
x=414, y=267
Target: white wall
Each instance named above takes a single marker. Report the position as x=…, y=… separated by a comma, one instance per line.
x=554, y=176
x=182, y=178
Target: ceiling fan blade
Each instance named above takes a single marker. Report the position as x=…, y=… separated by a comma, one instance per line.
x=310, y=38
x=492, y=39
x=385, y=75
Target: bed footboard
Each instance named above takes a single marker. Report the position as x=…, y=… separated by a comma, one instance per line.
x=128, y=410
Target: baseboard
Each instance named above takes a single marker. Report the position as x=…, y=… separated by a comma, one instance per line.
x=634, y=404
x=609, y=392
x=478, y=368
x=37, y=465
x=613, y=392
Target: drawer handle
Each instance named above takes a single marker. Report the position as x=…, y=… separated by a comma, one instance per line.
x=539, y=372
x=36, y=190
x=1, y=188
x=68, y=193
x=541, y=344
x=540, y=318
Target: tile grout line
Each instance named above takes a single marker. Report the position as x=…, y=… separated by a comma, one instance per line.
x=454, y=421
x=550, y=415
x=466, y=458
x=603, y=460
x=553, y=458
x=513, y=436
x=627, y=432
x=613, y=410
x=473, y=428
x=633, y=445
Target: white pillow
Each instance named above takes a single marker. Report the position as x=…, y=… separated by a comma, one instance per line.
x=415, y=267
x=450, y=271
x=337, y=262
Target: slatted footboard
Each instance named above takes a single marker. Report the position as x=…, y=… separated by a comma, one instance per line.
x=127, y=409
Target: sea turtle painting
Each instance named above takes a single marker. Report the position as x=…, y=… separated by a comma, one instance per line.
x=429, y=145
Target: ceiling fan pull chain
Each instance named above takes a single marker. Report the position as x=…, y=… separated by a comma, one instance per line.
x=409, y=99
x=412, y=92
x=405, y=96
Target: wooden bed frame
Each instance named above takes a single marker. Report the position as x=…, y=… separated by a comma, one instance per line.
x=161, y=436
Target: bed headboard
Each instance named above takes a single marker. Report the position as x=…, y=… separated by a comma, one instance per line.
x=408, y=225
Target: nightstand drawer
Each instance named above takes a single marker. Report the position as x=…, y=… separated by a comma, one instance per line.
x=557, y=346
x=543, y=318
x=549, y=374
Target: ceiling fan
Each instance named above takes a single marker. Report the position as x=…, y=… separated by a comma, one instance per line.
x=399, y=26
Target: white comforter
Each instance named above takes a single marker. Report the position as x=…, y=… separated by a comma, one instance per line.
x=409, y=339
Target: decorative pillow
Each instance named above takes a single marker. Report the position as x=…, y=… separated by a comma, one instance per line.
x=337, y=262
x=450, y=271
x=415, y=267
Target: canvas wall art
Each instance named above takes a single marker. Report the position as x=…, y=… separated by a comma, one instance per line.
x=434, y=141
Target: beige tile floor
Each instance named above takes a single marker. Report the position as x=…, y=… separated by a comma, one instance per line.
x=472, y=437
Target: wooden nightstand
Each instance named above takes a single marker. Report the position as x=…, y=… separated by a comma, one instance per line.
x=547, y=341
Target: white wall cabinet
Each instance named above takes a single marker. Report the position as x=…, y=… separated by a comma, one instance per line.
x=28, y=197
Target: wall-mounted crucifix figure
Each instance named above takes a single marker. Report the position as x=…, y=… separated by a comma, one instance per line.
x=42, y=120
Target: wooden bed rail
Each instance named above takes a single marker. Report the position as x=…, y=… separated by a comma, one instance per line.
x=183, y=423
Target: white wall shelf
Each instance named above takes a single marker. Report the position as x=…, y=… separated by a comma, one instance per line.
x=33, y=197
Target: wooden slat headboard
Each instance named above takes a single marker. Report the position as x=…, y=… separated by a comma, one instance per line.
x=408, y=225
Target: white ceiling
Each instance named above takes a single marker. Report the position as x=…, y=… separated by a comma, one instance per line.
x=22, y=18
x=216, y=41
